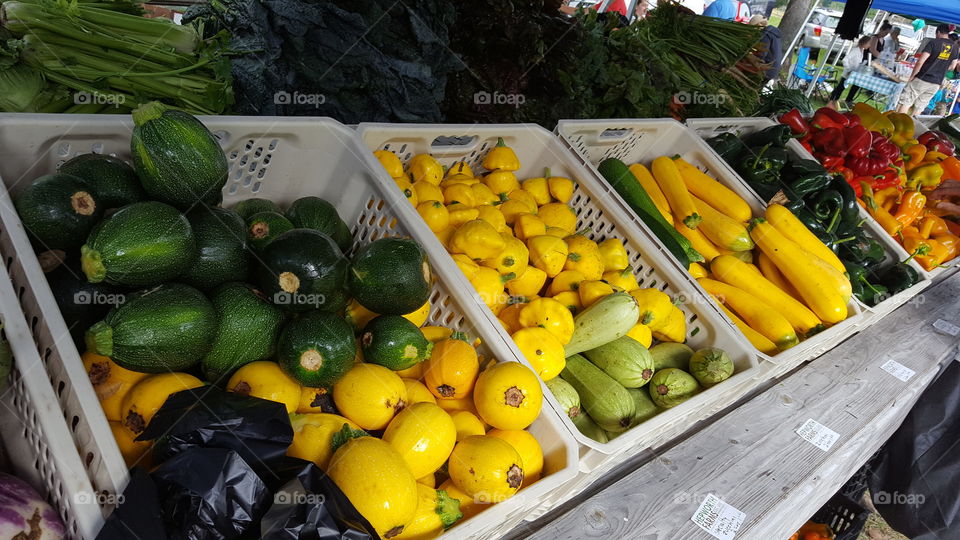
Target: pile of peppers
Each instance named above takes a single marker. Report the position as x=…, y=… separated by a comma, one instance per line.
x=824, y=201
x=889, y=170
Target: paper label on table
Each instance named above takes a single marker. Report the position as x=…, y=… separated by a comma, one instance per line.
x=898, y=370
x=718, y=518
x=818, y=434
x=947, y=328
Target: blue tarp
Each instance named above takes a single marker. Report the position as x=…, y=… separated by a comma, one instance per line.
x=934, y=10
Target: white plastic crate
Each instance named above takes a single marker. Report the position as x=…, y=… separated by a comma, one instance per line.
x=33, y=428
x=640, y=141
x=537, y=148
x=711, y=127
x=278, y=158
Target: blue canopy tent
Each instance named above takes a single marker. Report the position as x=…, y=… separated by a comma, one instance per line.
x=936, y=10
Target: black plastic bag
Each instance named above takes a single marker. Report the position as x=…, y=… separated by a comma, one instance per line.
x=138, y=515
x=210, y=493
x=914, y=484
x=209, y=417
x=310, y=506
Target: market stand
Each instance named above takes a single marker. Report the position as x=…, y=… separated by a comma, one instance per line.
x=753, y=459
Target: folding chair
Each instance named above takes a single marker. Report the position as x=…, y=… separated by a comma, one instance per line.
x=803, y=72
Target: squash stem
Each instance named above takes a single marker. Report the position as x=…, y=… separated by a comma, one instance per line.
x=99, y=339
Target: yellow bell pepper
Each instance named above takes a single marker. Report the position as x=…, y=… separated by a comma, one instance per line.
x=542, y=350
x=502, y=157
x=547, y=253
x=512, y=260
x=435, y=215
x=570, y=300
x=558, y=215
x=407, y=189
x=483, y=195
x=925, y=176
x=459, y=168
x=425, y=167
x=914, y=155
x=501, y=182
x=592, y=290
x=510, y=317
x=903, y=128
x=583, y=255
x=459, y=193
x=557, y=231
x=642, y=334
x=521, y=195
x=527, y=226
x=697, y=270
x=528, y=283
x=655, y=306
x=934, y=157
x=512, y=208
x=675, y=328
x=560, y=188
x=427, y=191
x=493, y=216
x=461, y=213
x=478, y=240
x=622, y=279
x=549, y=314
x=391, y=163
x=539, y=188
x=613, y=254
x=467, y=265
x=568, y=280
x=489, y=286
x=872, y=119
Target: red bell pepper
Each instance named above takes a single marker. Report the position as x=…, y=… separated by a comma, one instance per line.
x=845, y=172
x=798, y=124
x=858, y=182
x=870, y=165
x=825, y=117
x=830, y=163
x=888, y=178
x=859, y=140
x=885, y=147
x=806, y=146
x=852, y=119
x=938, y=142
x=830, y=141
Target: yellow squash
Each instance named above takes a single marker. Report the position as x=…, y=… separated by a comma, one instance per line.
x=461, y=193
x=583, y=255
x=647, y=182
x=794, y=229
x=460, y=214
x=467, y=422
x=531, y=454
x=434, y=214
x=377, y=481
x=550, y=315
x=477, y=239
x=613, y=254
x=489, y=286
x=313, y=436
x=621, y=279
x=713, y=192
x=757, y=314
x=313, y=400
x=539, y=188
x=570, y=300
x=508, y=396
x=425, y=167
x=527, y=226
x=698, y=241
x=528, y=283
x=483, y=195
x=427, y=191
x=436, y=511
x=739, y=274
x=668, y=177
x=370, y=395
x=641, y=334
x=722, y=230
x=134, y=452
x=459, y=168
x=417, y=392
x=547, y=253
x=148, y=394
x=110, y=381
x=770, y=271
x=391, y=163
x=424, y=435
x=501, y=156
x=818, y=287
x=542, y=350
x=592, y=290
x=492, y=215
x=407, y=189
x=486, y=468
x=558, y=215
x=561, y=188
x=512, y=260
x=264, y=379
x=654, y=307
x=697, y=270
x=501, y=182
x=757, y=339
x=452, y=369
x=568, y=280
x=675, y=329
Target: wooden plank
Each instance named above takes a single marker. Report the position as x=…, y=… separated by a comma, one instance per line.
x=753, y=459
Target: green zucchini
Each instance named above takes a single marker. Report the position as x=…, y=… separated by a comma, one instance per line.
x=606, y=320
x=221, y=253
x=671, y=387
x=643, y=405
x=58, y=211
x=141, y=244
x=391, y=276
x=303, y=269
x=588, y=427
x=566, y=395
x=318, y=214
x=176, y=157
x=316, y=349
x=166, y=328
x=625, y=360
x=670, y=355
x=114, y=183
x=604, y=399
x=263, y=227
x=255, y=205
x=394, y=342
x=247, y=329
x=618, y=175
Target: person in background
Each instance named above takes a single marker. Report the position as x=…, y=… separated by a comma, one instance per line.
x=891, y=45
x=876, y=50
x=918, y=25
x=855, y=58
x=771, y=45
x=937, y=57
x=721, y=9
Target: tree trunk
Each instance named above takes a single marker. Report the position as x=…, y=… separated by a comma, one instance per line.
x=792, y=22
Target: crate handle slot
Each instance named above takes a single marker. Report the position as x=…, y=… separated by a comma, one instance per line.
x=454, y=144
x=613, y=135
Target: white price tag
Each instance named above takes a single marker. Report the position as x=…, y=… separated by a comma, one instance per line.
x=947, y=328
x=898, y=370
x=818, y=434
x=718, y=518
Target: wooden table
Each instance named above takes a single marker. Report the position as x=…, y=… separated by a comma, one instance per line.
x=753, y=459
